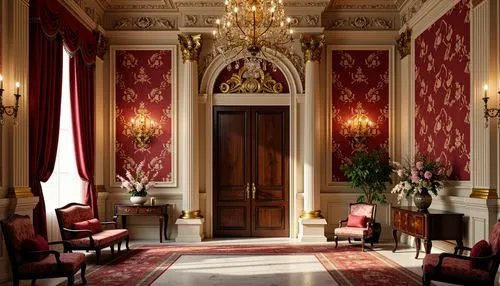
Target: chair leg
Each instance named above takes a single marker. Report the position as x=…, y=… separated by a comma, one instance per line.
x=126, y=243
x=82, y=270
x=336, y=238
x=71, y=280
x=119, y=245
x=112, y=246
x=97, y=255
x=362, y=244
x=371, y=244
x=33, y=282
x=349, y=239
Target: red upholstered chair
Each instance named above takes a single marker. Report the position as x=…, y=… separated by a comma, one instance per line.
x=86, y=239
x=458, y=269
x=17, y=230
x=357, y=228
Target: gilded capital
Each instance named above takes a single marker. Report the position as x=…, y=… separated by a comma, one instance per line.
x=403, y=43
x=312, y=47
x=190, y=47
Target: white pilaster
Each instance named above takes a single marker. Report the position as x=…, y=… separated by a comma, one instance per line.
x=311, y=223
x=190, y=224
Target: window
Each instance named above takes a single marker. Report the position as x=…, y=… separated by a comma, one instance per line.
x=64, y=185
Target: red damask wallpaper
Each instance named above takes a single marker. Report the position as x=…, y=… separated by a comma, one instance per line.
x=360, y=85
x=270, y=72
x=143, y=83
x=442, y=91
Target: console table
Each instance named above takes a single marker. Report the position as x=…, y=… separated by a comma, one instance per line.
x=433, y=225
x=135, y=210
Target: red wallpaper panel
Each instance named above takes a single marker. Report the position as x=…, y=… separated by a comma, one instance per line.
x=233, y=68
x=442, y=91
x=360, y=84
x=144, y=79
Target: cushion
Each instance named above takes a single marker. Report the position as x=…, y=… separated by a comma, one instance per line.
x=70, y=263
x=105, y=237
x=356, y=221
x=93, y=225
x=36, y=243
x=75, y=213
x=354, y=232
x=457, y=268
x=480, y=249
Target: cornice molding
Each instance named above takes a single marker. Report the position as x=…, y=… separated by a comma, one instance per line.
x=357, y=21
x=144, y=22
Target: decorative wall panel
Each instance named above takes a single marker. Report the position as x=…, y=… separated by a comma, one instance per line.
x=360, y=84
x=442, y=91
x=144, y=82
x=236, y=78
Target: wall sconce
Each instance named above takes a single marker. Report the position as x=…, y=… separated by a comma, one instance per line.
x=10, y=110
x=360, y=129
x=142, y=128
x=489, y=112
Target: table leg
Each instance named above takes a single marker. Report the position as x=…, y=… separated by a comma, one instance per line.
x=460, y=243
x=165, y=220
x=124, y=221
x=417, y=246
x=427, y=246
x=395, y=236
x=161, y=226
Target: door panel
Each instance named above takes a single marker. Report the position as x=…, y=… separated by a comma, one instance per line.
x=251, y=171
x=231, y=171
x=271, y=171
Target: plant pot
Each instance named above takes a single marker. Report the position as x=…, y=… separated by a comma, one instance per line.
x=138, y=201
x=422, y=200
x=377, y=230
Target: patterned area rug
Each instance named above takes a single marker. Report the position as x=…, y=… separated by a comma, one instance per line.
x=347, y=265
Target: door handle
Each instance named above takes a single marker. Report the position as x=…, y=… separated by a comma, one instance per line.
x=247, y=190
x=254, y=190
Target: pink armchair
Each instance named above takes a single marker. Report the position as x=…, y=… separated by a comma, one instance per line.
x=464, y=270
x=37, y=264
x=359, y=224
x=87, y=239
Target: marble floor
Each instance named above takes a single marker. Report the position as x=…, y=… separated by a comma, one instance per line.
x=272, y=270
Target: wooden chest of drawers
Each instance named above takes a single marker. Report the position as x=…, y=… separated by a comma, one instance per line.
x=433, y=225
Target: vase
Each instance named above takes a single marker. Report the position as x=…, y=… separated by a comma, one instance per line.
x=138, y=200
x=422, y=200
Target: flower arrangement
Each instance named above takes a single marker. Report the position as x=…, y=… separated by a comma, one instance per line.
x=423, y=176
x=137, y=185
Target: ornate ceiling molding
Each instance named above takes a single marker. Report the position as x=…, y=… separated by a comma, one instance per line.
x=150, y=22
x=410, y=9
x=114, y=5
x=382, y=22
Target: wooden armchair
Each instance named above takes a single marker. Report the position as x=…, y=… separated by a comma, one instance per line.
x=17, y=230
x=464, y=270
x=359, y=224
x=86, y=239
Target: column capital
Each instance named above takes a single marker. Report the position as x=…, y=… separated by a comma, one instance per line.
x=403, y=43
x=312, y=46
x=190, y=47
x=476, y=2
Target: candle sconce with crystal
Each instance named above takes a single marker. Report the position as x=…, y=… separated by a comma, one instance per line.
x=360, y=129
x=9, y=110
x=489, y=112
x=142, y=128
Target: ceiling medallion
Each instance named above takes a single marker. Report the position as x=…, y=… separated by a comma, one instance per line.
x=248, y=27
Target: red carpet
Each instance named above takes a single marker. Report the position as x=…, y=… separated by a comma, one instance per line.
x=348, y=265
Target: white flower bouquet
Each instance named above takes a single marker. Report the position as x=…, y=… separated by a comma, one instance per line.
x=137, y=185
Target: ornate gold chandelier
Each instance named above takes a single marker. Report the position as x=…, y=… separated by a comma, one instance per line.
x=250, y=26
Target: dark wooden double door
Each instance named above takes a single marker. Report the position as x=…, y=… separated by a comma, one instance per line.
x=251, y=171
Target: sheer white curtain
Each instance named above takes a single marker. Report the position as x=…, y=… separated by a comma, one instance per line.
x=64, y=185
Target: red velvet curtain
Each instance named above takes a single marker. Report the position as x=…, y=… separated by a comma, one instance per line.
x=82, y=115
x=45, y=76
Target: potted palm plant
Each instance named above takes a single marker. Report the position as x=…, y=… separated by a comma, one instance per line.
x=369, y=172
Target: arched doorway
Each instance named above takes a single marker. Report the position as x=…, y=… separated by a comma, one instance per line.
x=214, y=99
